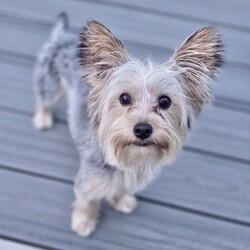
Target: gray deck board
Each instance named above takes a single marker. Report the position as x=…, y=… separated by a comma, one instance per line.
x=199, y=182
x=199, y=202
x=217, y=127
x=8, y=245
x=143, y=28
x=25, y=213
x=226, y=12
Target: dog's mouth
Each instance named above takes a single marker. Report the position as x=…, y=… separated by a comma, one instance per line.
x=143, y=143
x=160, y=145
x=146, y=143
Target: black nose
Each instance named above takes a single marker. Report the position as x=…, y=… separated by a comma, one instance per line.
x=143, y=130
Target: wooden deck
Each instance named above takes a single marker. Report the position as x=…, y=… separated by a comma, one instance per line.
x=202, y=202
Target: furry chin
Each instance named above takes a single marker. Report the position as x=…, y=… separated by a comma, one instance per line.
x=140, y=155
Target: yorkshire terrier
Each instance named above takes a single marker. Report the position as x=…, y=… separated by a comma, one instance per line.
x=130, y=119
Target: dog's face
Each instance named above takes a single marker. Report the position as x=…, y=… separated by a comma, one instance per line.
x=141, y=112
x=142, y=116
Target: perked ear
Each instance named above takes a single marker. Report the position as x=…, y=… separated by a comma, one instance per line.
x=100, y=52
x=197, y=60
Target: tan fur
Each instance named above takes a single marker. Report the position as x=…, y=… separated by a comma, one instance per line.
x=199, y=57
x=100, y=51
x=115, y=130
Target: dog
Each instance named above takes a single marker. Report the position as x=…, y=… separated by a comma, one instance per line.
x=127, y=118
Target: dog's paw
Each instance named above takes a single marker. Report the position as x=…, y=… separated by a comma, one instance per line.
x=126, y=204
x=43, y=120
x=82, y=223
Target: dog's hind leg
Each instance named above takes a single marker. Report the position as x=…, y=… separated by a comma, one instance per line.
x=48, y=92
x=123, y=203
x=43, y=118
x=48, y=83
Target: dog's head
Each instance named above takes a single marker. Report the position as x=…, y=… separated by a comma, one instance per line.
x=141, y=112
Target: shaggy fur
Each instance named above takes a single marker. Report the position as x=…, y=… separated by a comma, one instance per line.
x=114, y=162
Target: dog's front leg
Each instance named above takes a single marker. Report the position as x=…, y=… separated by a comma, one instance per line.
x=85, y=217
x=89, y=190
x=123, y=202
x=91, y=185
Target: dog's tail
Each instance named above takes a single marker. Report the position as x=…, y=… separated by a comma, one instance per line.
x=61, y=24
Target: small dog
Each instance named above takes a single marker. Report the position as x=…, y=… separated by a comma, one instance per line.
x=130, y=119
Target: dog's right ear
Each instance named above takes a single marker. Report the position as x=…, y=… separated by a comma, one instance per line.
x=198, y=59
x=100, y=52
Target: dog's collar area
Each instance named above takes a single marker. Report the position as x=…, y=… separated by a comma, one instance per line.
x=109, y=168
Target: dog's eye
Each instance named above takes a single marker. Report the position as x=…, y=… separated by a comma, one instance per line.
x=125, y=99
x=164, y=102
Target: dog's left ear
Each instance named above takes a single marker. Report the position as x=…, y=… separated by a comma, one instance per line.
x=197, y=61
x=100, y=52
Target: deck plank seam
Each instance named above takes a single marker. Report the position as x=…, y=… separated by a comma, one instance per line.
x=27, y=243
x=35, y=23
x=141, y=198
x=165, y=13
